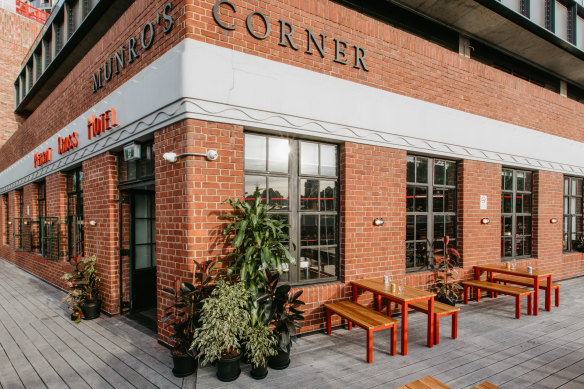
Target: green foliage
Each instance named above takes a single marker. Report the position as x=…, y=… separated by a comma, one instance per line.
x=281, y=309
x=183, y=316
x=258, y=241
x=224, y=321
x=579, y=244
x=260, y=344
x=445, y=274
x=83, y=283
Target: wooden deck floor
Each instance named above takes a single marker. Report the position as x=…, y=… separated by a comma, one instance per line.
x=40, y=347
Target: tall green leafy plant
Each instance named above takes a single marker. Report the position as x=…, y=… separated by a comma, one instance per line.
x=445, y=275
x=258, y=240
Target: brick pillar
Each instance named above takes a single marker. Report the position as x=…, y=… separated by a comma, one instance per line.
x=479, y=243
x=373, y=184
x=100, y=204
x=189, y=196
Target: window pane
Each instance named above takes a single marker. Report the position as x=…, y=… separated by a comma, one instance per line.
x=578, y=225
x=507, y=180
x=528, y=181
x=450, y=173
x=327, y=230
x=251, y=184
x=507, y=226
x=439, y=172
x=410, y=227
x=572, y=205
x=328, y=196
x=308, y=158
x=421, y=199
x=507, y=203
x=527, y=225
x=279, y=191
x=565, y=241
x=507, y=247
x=410, y=199
x=578, y=187
x=566, y=186
x=410, y=255
x=421, y=254
x=438, y=198
x=255, y=152
x=519, y=225
x=411, y=169
x=328, y=160
x=449, y=225
x=520, y=181
x=519, y=247
x=309, y=194
x=519, y=203
x=142, y=256
x=574, y=186
x=566, y=205
x=309, y=230
x=328, y=259
x=578, y=206
x=421, y=227
x=279, y=152
x=438, y=227
x=308, y=264
x=450, y=200
x=422, y=170
x=141, y=233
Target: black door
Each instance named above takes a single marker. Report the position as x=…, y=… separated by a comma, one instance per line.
x=143, y=250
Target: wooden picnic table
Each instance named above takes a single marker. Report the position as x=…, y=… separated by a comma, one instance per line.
x=536, y=274
x=408, y=296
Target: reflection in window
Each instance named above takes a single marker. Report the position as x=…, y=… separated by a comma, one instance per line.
x=572, y=224
x=429, y=219
x=516, y=213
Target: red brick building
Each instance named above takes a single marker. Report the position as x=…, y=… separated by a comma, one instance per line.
x=441, y=123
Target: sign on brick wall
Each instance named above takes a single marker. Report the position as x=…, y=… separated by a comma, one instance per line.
x=31, y=12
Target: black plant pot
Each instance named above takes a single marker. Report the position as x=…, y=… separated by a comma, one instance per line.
x=91, y=309
x=184, y=365
x=228, y=368
x=259, y=372
x=280, y=361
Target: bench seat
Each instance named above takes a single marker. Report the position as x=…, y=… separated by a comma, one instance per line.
x=485, y=385
x=440, y=310
x=427, y=382
x=365, y=318
x=502, y=289
x=505, y=279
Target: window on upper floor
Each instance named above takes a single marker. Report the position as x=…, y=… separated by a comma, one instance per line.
x=516, y=211
x=572, y=212
x=430, y=209
x=302, y=178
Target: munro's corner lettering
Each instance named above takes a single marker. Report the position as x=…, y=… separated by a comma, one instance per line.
x=130, y=52
x=97, y=125
x=344, y=53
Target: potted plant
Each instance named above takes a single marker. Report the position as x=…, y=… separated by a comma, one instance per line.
x=223, y=322
x=260, y=344
x=579, y=244
x=281, y=310
x=445, y=275
x=83, y=294
x=183, y=317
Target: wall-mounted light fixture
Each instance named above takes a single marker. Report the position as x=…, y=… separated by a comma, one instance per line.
x=553, y=220
x=92, y=223
x=378, y=221
x=211, y=155
x=485, y=220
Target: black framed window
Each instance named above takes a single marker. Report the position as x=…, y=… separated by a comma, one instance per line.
x=75, y=213
x=516, y=221
x=430, y=208
x=302, y=177
x=143, y=168
x=50, y=237
x=572, y=212
x=42, y=199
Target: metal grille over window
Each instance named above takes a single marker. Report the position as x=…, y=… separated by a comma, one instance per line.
x=23, y=234
x=516, y=214
x=301, y=178
x=430, y=208
x=75, y=213
x=50, y=237
x=572, y=212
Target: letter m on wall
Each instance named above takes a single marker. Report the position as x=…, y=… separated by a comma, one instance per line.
x=97, y=80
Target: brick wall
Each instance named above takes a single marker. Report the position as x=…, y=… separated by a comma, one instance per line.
x=100, y=204
x=17, y=34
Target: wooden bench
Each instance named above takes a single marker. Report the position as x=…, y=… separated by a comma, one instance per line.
x=427, y=382
x=440, y=310
x=485, y=385
x=502, y=289
x=505, y=279
x=365, y=318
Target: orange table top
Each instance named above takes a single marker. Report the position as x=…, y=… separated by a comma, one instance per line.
x=376, y=285
x=519, y=271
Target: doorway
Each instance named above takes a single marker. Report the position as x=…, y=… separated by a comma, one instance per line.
x=143, y=252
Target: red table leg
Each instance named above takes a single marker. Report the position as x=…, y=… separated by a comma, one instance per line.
x=378, y=301
x=535, y=296
x=454, y=325
x=437, y=331
x=477, y=274
x=355, y=296
x=388, y=306
x=328, y=321
x=393, y=339
x=404, y=329
x=431, y=322
x=490, y=279
x=369, y=346
x=548, y=294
